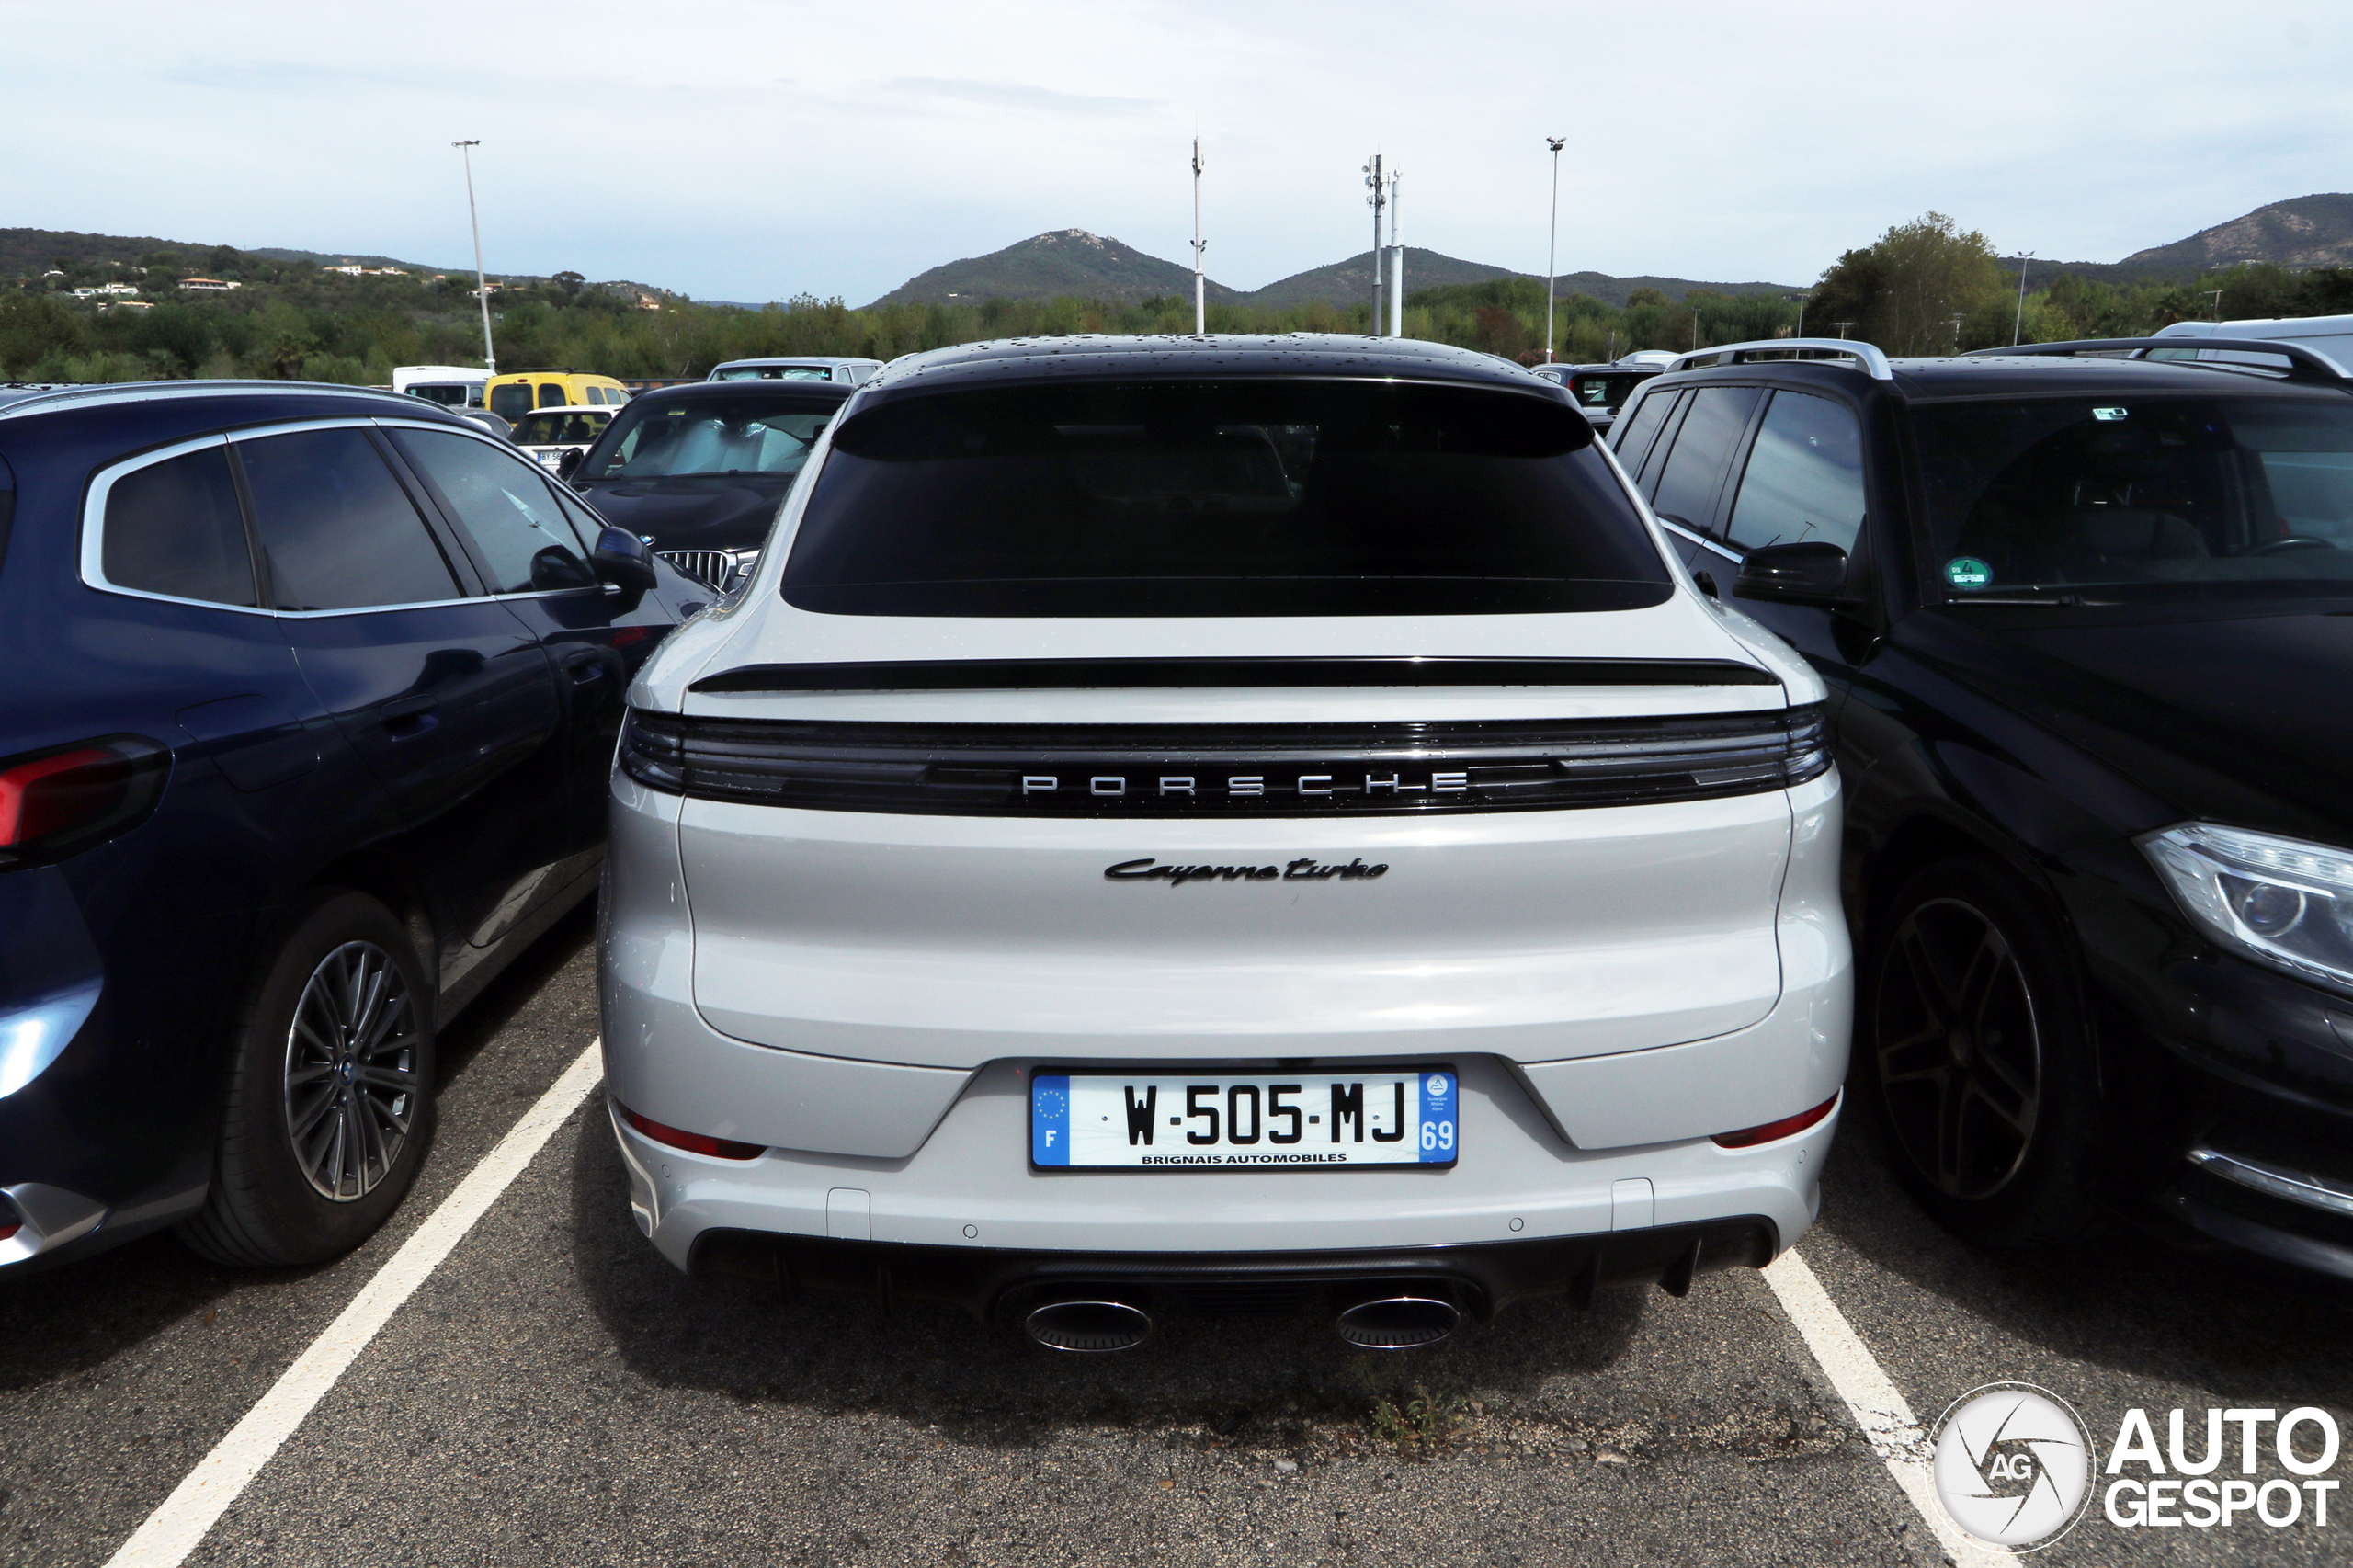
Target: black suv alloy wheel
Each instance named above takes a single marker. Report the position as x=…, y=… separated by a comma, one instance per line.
x=1975, y=1043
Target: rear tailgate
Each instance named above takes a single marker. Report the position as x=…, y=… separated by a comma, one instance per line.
x=1537, y=887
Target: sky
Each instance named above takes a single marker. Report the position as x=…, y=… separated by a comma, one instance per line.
x=754, y=150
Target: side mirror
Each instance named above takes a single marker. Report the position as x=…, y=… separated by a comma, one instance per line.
x=1809, y=572
x=621, y=559
x=569, y=465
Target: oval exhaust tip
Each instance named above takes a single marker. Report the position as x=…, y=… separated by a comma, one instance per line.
x=1089, y=1325
x=1398, y=1323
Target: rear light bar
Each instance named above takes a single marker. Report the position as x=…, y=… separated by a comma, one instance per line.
x=1773, y=1131
x=692, y=1143
x=61, y=800
x=1392, y=768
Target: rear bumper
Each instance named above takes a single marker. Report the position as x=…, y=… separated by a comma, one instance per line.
x=999, y=1282
x=969, y=1188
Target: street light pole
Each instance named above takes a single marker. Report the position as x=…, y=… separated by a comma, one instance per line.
x=481, y=283
x=2018, y=327
x=1200, y=292
x=1552, y=248
x=1956, y=336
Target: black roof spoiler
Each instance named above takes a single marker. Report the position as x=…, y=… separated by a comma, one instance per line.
x=2304, y=364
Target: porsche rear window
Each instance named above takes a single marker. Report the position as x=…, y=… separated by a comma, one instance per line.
x=1235, y=499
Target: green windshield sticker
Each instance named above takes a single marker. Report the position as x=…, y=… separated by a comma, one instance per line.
x=2105, y=414
x=1968, y=572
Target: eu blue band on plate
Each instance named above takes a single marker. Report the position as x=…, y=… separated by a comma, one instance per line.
x=1050, y=1119
x=1439, y=1122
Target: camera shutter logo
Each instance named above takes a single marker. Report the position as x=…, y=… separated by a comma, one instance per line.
x=2013, y=1465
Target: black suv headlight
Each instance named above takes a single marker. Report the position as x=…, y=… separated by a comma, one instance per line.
x=2279, y=901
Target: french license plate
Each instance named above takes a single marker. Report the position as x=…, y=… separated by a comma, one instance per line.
x=1303, y=1121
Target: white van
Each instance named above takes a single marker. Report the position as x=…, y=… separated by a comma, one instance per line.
x=847, y=373
x=451, y=386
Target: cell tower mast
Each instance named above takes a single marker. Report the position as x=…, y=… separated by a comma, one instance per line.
x=1200, y=290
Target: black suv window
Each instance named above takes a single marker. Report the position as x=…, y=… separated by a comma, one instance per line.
x=1640, y=430
x=1219, y=498
x=174, y=527
x=524, y=541
x=1805, y=479
x=1694, y=474
x=2157, y=493
x=336, y=529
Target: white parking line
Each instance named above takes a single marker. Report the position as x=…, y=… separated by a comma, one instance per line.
x=1894, y=1434
x=176, y=1528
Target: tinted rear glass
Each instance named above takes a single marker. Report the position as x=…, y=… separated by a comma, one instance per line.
x=175, y=527
x=336, y=528
x=1632, y=439
x=1216, y=499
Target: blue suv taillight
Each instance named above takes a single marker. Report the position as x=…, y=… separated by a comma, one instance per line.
x=62, y=799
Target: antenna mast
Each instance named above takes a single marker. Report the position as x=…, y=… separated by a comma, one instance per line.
x=1396, y=263
x=1200, y=292
x=1376, y=200
x=1552, y=248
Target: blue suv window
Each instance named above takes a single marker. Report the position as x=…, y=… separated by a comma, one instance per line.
x=338, y=531
x=522, y=538
x=174, y=527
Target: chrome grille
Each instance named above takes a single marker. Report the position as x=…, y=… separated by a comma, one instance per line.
x=712, y=566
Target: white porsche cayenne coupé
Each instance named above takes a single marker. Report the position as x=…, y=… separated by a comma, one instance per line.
x=1221, y=825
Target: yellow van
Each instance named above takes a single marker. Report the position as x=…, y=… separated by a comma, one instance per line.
x=513, y=395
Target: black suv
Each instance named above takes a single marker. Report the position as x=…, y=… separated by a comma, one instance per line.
x=2087, y=622
x=1599, y=390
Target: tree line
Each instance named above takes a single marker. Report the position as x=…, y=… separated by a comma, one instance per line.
x=1926, y=287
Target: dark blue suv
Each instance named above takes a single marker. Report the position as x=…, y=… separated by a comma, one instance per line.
x=311, y=697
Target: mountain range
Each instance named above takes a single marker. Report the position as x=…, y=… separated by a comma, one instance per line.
x=1074, y=263
x=2304, y=232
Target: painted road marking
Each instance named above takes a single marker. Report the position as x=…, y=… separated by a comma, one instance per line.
x=1894, y=1434
x=176, y=1528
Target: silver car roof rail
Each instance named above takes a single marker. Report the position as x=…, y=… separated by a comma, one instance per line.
x=1867, y=357
x=2304, y=363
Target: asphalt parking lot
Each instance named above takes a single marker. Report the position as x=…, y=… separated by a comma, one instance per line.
x=554, y=1393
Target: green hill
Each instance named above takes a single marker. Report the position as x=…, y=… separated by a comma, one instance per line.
x=28, y=253
x=2310, y=230
x=1063, y=264
x=1347, y=282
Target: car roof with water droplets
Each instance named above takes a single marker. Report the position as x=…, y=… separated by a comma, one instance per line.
x=1105, y=358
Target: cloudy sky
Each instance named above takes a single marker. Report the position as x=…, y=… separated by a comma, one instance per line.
x=758, y=149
